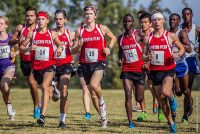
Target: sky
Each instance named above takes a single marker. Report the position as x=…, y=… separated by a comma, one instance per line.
x=176, y=6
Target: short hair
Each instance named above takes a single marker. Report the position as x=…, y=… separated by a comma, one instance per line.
x=128, y=15
x=5, y=19
x=179, y=17
x=141, y=12
x=61, y=11
x=187, y=8
x=90, y=6
x=31, y=9
x=145, y=15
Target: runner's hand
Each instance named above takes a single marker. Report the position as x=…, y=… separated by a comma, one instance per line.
x=33, y=47
x=150, y=56
x=176, y=56
x=106, y=51
x=59, y=51
x=12, y=55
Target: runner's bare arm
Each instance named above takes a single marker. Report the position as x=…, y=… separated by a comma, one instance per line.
x=57, y=42
x=198, y=39
x=173, y=39
x=106, y=31
x=120, y=52
x=72, y=37
x=23, y=47
x=185, y=41
x=77, y=42
x=146, y=55
x=15, y=39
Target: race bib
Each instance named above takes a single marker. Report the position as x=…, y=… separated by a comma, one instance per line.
x=91, y=54
x=131, y=55
x=4, y=52
x=42, y=53
x=63, y=53
x=158, y=58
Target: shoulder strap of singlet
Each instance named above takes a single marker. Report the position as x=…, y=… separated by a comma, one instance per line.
x=138, y=45
x=67, y=34
x=98, y=27
x=165, y=35
x=149, y=40
x=23, y=28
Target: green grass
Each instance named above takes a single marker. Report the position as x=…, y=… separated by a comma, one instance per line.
x=24, y=122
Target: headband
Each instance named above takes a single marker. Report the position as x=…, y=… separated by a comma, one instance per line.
x=43, y=14
x=157, y=15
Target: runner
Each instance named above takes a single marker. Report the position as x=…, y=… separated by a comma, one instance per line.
x=193, y=32
x=181, y=65
x=7, y=66
x=158, y=50
x=86, y=95
x=130, y=56
x=63, y=62
x=94, y=51
x=25, y=64
x=42, y=57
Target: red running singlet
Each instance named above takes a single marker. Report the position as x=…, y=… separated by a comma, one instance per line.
x=132, y=54
x=161, y=50
x=26, y=57
x=93, y=45
x=43, y=56
x=66, y=56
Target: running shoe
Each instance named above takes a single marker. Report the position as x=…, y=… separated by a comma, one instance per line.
x=185, y=119
x=62, y=125
x=36, y=112
x=172, y=128
x=161, y=115
x=142, y=116
x=137, y=109
x=11, y=113
x=87, y=116
x=131, y=125
x=41, y=120
x=155, y=108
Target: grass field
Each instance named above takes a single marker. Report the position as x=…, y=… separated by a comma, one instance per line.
x=24, y=122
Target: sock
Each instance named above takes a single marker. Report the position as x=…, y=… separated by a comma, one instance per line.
x=101, y=101
x=171, y=98
x=63, y=117
x=9, y=108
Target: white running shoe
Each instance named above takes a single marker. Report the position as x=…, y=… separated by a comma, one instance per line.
x=11, y=113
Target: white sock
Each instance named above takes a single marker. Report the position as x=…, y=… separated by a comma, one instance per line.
x=63, y=117
x=101, y=101
x=9, y=108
